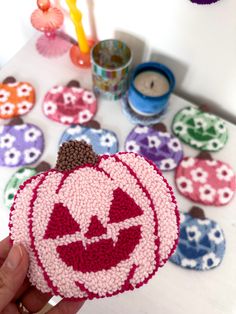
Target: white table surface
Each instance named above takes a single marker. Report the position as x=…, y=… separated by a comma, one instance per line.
x=173, y=290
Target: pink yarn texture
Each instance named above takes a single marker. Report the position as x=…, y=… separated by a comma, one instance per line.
x=96, y=231
x=210, y=182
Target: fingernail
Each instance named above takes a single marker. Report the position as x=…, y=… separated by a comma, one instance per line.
x=14, y=257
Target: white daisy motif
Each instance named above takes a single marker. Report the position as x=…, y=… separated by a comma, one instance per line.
x=4, y=95
x=187, y=162
x=220, y=127
x=69, y=98
x=184, y=185
x=153, y=141
x=56, y=89
x=66, y=119
x=167, y=164
x=24, y=107
x=7, y=109
x=83, y=138
x=199, y=175
x=212, y=162
x=24, y=90
x=49, y=107
x=200, y=123
x=20, y=127
x=224, y=173
x=24, y=173
x=140, y=129
x=32, y=134
x=9, y=196
x=74, y=130
x=12, y=157
x=180, y=128
x=88, y=97
x=207, y=193
x=209, y=116
x=174, y=144
x=225, y=195
x=7, y=140
x=209, y=261
x=196, y=143
x=1, y=128
x=190, y=111
x=107, y=140
x=13, y=84
x=164, y=134
x=193, y=233
x=31, y=154
x=85, y=116
x=77, y=90
x=214, y=144
x=132, y=146
x=190, y=263
x=204, y=222
x=216, y=235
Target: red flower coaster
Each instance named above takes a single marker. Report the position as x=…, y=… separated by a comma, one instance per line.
x=98, y=228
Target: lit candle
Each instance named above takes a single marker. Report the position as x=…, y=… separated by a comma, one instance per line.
x=151, y=83
x=76, y=17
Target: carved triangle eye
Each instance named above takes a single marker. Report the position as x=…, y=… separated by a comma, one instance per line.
x=123, y=207
x=61, y=223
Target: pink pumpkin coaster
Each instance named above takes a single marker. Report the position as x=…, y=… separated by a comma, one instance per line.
x=70, y=104
x=95, y=226
x=206, y=181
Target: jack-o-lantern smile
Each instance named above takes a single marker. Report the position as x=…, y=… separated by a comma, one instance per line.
x=96, y=229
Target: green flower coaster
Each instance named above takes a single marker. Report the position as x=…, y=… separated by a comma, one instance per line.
x=199, y=129
x=19, y=177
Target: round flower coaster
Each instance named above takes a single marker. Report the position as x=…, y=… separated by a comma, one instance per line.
x=18, y=178
x=136, y=118
x=20, y=143
x=201, y=242
x=156, y=144
x=199, y=129
x=16, y=98
x=120, y=223
x=206, y=181
x=103, y=141
x=69, y=104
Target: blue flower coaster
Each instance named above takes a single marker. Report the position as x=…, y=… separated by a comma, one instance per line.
x=103, y=141
x=201, y=242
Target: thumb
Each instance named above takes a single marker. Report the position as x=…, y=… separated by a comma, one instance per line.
x=12, y=274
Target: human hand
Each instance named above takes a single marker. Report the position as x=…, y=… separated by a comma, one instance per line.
x=17, y=296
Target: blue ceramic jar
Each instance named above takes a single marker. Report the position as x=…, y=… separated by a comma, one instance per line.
x=146, y=104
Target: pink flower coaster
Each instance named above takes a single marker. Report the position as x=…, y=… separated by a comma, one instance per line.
x=206, y=181
x=97, y=229
x=70, y=104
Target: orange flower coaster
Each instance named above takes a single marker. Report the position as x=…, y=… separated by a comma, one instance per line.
x=95, y=226
x=16, y=98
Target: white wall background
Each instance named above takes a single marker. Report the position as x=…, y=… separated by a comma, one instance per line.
x=197, y=42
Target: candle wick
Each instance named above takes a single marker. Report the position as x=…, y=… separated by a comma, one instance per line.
x=152, y=84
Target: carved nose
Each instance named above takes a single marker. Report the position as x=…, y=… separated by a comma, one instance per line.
x=96, y=228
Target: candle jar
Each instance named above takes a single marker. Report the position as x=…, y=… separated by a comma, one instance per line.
x=150, y=88
x=111, y=60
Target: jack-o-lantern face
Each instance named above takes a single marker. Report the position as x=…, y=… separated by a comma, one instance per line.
x=16, y=98
x=69, y=104
x=97, y=230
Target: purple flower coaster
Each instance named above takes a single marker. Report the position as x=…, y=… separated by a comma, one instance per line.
x=20, y=144
x=155, y=144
